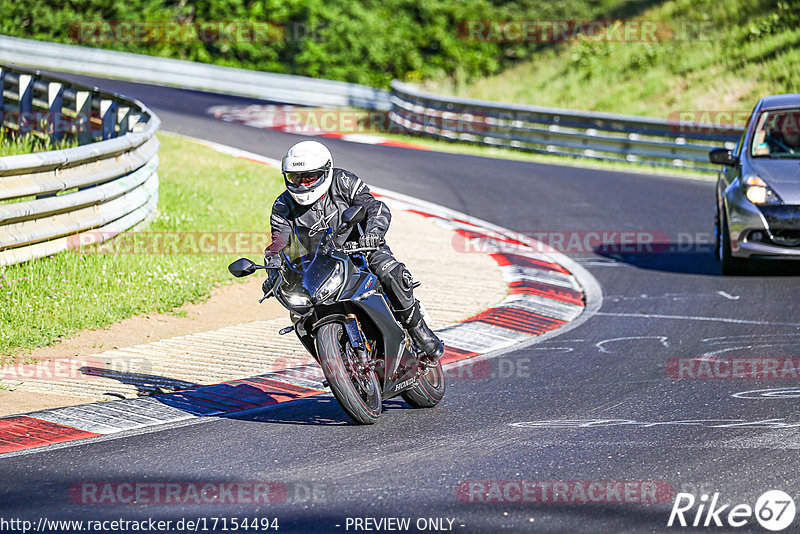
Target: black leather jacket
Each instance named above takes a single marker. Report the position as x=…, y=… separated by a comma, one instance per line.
x=310, y=222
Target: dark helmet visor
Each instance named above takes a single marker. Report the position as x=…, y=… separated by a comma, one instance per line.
x=300, y=179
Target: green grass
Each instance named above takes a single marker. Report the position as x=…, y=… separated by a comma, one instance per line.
x=13, y=145
x=201, y=190
x=746, y=49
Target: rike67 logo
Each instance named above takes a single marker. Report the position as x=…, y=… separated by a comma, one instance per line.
x=774, y=510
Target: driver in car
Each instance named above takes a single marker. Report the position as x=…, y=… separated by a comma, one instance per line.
x=316, y=196
x=783, y=137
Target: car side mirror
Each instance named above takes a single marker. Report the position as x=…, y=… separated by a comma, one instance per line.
x=242, y=267
x=722, y=156
x=352, y=216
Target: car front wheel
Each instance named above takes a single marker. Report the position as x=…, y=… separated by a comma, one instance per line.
x=730, y=265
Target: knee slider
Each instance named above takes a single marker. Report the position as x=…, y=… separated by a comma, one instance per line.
x=399, y=276
x=399, y=280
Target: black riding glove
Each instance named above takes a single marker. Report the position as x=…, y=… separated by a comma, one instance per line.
x=370, y=240
x=272, y=260
x=272, y=278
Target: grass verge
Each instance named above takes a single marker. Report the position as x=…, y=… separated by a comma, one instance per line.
x=14, y=145
x=736, y=52
x=201, y=191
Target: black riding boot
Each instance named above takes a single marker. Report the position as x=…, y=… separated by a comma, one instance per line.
x=423, y=337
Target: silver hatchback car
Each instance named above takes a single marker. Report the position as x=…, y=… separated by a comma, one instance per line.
x=758, y=188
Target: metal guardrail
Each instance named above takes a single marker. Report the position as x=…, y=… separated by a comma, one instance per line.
x=601, y=136
x=53, y=201
x=284, y=88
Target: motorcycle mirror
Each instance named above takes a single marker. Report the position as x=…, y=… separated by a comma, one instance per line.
x=242, y=267
x=351, y=217
x=354, y=215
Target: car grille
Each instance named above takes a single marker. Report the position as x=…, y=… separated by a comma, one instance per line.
x=783, y=223
x=786, y=238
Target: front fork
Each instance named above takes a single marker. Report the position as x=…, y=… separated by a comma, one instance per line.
x=360, y=344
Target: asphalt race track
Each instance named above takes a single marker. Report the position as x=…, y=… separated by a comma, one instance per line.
x=612, y=369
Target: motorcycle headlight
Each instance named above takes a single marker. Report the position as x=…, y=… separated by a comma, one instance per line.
x=331, y=284
x=298, y=301
x=758, y=192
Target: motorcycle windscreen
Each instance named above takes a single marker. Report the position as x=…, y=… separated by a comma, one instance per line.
x=309, y=262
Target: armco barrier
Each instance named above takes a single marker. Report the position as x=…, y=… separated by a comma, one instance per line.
x=107, y=184
x=604, y=136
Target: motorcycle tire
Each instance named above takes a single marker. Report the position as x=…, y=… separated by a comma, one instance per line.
x=360, y=399
x=429, y=389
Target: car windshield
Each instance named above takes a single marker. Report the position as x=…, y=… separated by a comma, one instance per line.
x=777, y=134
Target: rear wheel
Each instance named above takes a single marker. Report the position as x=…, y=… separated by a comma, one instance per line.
x=730, y=265
x=429, y=389
x=356, y=389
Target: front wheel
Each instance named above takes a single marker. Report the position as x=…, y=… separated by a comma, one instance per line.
x=730, y=264
x=356, y=390
x=429, y=389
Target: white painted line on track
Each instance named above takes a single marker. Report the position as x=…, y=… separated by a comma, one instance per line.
x=480, y=337
x=694, y=318
x=547, y=307
x=518, y=273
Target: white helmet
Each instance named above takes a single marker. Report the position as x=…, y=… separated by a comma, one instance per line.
x=307, y=171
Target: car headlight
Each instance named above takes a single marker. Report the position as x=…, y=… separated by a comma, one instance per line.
x=758, y=192
x=296, y=300
x=332, y=283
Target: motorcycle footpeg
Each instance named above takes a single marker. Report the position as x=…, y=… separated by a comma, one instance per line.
x=284, y=331
x=427, y=362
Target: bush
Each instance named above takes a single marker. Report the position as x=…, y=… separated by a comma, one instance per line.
x=364, y=41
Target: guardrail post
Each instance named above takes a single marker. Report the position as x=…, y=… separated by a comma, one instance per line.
x=83, y=116
x=133, y=121
x=25, y=92
x=108, y=116
x=123, y=119
x=55, y=105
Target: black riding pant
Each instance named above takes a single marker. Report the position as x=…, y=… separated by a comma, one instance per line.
x=395, y=278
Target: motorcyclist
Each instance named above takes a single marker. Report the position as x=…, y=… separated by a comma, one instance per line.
x=316, y=196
